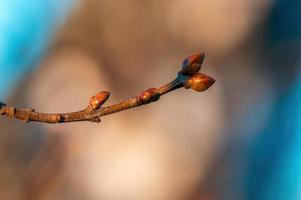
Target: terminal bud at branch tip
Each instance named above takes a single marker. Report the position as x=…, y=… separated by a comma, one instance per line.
x=192, y=64
x=199, y=82
x=98, y=100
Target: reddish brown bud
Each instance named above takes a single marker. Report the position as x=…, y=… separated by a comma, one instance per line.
x=192, y=64
x=99, y=99
x=199, y=82
x=152, y=94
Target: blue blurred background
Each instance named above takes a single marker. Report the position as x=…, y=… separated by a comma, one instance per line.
x=25, y=29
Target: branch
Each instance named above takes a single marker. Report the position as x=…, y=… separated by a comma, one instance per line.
x=187, y=77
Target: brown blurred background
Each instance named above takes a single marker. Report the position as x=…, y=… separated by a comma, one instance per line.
x=170, y=150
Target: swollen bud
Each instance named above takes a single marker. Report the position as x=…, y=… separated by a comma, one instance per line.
x=199, y=82
x=150, y=95
x=98, y=100
x=192, y=64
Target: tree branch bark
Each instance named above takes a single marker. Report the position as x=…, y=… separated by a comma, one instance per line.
x=188, y=77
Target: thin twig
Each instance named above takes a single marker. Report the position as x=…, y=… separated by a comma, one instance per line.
x=188, y=77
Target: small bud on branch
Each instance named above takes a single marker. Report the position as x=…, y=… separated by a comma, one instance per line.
x=192, y=64
x=187, y=77
x=98, y=100
x=199, y=82
x=150, y=95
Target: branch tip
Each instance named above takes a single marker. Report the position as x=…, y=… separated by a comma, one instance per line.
x=188, y=77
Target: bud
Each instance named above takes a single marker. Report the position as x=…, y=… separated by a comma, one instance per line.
x=150, y=95
x=99, y=99
x=192, y=64
x=199, y=82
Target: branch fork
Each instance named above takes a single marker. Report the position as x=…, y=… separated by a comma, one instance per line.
x=188, y=77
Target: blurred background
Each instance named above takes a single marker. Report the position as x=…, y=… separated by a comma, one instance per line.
x=238, y=140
